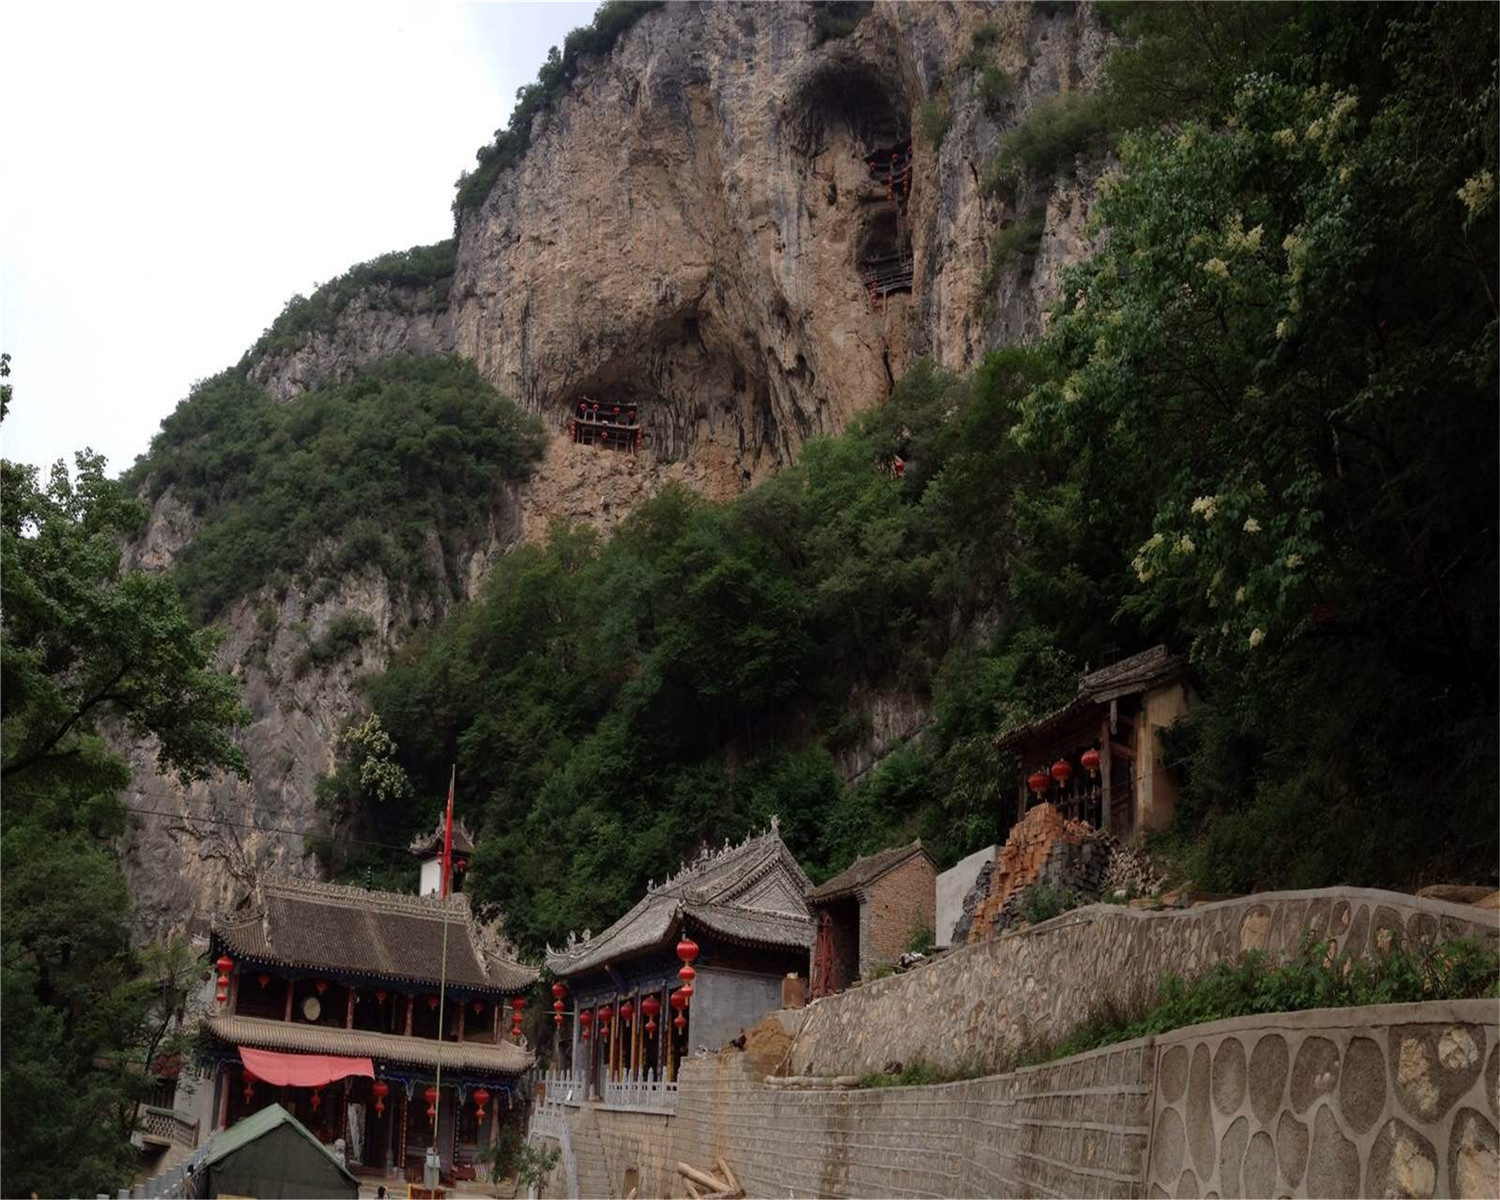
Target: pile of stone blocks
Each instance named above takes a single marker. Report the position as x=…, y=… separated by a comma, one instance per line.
x=1043, y=848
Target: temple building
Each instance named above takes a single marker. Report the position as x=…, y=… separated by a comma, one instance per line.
x=869, y=914
x=1099, y=758
x=743, y=913
x=329, y=1005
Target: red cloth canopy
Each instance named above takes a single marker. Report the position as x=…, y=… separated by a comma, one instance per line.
x=303, y=1070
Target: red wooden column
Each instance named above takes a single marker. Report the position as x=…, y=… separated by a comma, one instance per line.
x=463, y=1020
x=349, y=1015
x=411, y=1003
x=291, y=991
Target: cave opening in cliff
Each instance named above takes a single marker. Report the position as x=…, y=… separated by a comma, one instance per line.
x=850, y=97
x=884, y=257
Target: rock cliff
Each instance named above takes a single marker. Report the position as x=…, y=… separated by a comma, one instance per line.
x=692, y=232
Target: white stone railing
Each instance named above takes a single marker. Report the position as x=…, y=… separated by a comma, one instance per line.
x=560, y=1089
x=631, y=1091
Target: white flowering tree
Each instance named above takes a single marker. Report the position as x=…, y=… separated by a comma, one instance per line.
x=1277, y=384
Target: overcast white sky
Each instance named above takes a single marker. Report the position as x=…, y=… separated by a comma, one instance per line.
x=170, y=175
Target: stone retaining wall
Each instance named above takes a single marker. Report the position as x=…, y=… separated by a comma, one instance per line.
x=972, y=1004
x=1390, y=1100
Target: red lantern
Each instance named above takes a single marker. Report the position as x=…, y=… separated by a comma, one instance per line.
x=478, y=1007
x=557, y=1013
x=558, y=991
x=481, y=1098
x=224, y=966
x=517, y=1004
x=380, y=996
x=687, y=949
x=432, y=1096
x=1090, y=761
x=586, y=1020
x=606, y=1014
x=687, y=974
x=381, y=1089
x=650, y=1006
x=262, y=979
x=432, y=1001
x=627, y=1013
x=249, y=1084
x=317, y=1097
x=1037, y=782
x=322, y=986
x=1062, y=772
x=463, y=864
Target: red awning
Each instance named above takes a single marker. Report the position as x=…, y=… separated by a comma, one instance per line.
x=303, y=1070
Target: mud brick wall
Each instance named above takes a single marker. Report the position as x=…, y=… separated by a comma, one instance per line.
x=970, y=1006
x=900, y=902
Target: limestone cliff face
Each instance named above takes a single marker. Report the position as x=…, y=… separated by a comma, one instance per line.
x=688, y=234
x=688, y=230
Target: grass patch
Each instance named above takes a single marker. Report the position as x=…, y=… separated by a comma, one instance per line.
x=343, y=636
x=1055, y=130
x=993, y=89
x=935, y=118
x=920, y=1073
x=1043, y=901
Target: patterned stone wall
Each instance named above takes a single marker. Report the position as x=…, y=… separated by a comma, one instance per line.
x=1392, y=1100
x=1397, y=1100
x=973, y=1004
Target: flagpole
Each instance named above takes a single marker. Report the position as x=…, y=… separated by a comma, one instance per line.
x=443, y=968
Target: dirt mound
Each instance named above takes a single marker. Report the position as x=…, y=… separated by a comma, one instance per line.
x=766, y=1045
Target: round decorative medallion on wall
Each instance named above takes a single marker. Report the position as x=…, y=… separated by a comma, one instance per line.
x=311, y=1008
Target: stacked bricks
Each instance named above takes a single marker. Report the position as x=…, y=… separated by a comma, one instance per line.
x=1043, y=847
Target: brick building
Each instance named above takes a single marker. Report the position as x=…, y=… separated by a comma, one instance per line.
x=868, y=914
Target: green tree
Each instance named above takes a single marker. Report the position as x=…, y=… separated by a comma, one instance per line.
x=86, y=650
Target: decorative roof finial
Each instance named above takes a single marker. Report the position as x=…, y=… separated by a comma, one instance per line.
x=776, y=823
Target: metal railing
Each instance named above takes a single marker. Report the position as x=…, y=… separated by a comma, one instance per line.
x=632, y=1091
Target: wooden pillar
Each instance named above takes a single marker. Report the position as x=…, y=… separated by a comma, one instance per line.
x=349, y=1013
x=224, y=1086
x=498, y=1007
x=463, y=1021
x=614, y=1043
x=411, y=1004
x=291, y=993
x=1105, y=755
x=635, y=1036
x=234, y=992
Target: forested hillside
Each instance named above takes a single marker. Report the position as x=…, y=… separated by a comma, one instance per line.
x=1261, y=428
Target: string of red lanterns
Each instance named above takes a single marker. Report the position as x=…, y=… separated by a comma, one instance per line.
x=606, y=1014
x=558, y=991
x=687, y=951
x=223, y=966
x=517, y=1005
x=650, y=1006
x=432, y=1097
x=586, y=1021
x=481, y=1098
x=381, y=1089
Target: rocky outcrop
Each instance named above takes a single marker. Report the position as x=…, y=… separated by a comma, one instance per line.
x=687, y=234
x=688, y=230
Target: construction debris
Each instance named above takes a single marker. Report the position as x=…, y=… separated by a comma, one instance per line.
x=704, y=1185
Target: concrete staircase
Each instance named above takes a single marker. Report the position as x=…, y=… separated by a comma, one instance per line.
x=588, y=1153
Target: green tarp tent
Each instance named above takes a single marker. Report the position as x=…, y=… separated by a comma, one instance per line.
x=270, y=1155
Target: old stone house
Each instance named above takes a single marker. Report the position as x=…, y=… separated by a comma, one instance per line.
x=869, y=914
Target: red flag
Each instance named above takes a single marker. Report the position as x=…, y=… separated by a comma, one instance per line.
x=448, y=839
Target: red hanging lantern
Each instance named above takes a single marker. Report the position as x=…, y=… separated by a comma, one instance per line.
x=478, y=1007
x=322, y=986
x=517, y=1004
x=1090, y=761
x=481, y=1098
x=687, y=974
x=381, y=1089
x=221, y=988
x=606, y=1014
x=586, y=1021
x=262, y=979
x=463, y=864
x=224, y=965
x=687, y=949
x=627, y=1013
x=380, y=996
x=432, y=1001
x=249, y=1084
x=1062, y=772
x=1037, y=782
x=317, y=1097
x=432, y=1097
x=679, y=1001
x=557, y=1013
x=650, y=1006
x=558, y=991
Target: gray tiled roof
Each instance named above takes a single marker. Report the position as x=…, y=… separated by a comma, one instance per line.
x=1130, y=675
x=387, y=935
x=424, y=845
x=258, y=1033
x=752, y=893
x=866, y=870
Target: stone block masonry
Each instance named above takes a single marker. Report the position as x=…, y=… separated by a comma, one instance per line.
x=972, y=1006
x=1390, y=1100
